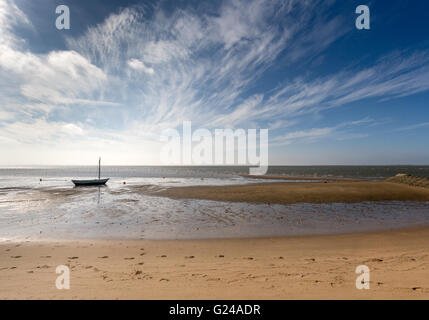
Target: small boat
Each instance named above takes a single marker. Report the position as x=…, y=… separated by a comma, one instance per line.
x=92, y=182
x=95, y=182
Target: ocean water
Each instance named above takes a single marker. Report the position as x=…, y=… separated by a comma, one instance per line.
x=222, y=172
x=51, y=208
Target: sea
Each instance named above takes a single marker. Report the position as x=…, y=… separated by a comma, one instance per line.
x=41, y=203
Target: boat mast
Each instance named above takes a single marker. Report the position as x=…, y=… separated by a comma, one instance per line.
x=99, y=163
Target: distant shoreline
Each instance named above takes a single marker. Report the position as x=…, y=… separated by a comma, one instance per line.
x=302, y=192
x=304, y=178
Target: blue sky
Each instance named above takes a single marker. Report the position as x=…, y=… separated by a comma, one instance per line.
x=126, y=70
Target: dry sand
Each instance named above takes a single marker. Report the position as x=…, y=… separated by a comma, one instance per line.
x=315, y=267
x=308, y=192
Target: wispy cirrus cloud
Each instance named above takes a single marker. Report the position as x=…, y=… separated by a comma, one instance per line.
x=393, y=76
x=413, y=126
x=340, y=131
x=201, y=65
x=10, y=17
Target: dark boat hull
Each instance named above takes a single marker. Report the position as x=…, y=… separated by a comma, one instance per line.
x=94, y=182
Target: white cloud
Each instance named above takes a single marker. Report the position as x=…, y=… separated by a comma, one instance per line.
x=10, y=16
x=39, y=131
x=163, y=51
x=60, y=77
x=139, y=66
x=4, y=115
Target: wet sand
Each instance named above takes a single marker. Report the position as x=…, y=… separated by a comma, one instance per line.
x=268, y=209
x=314, y=178
x=314, y=267
x=305, y=192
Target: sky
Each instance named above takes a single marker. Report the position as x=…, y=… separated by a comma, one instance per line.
x=329, y=94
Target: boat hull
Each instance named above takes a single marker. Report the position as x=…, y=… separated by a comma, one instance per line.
x=94, y=182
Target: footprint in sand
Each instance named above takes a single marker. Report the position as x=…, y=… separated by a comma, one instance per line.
x=31, y=271
x=249, y=258
x=164, y=279
x=189, y=257
x=138, y=272
x=73, y=258
x=163, y=256
x=46, y=257
x=16, y=257
x=213, y=279
x=140, y=263
x=221, y=256
x=103, y=257
x=131, y=258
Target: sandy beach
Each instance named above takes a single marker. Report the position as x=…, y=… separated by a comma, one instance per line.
x=311, y=267
x=246, y=267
